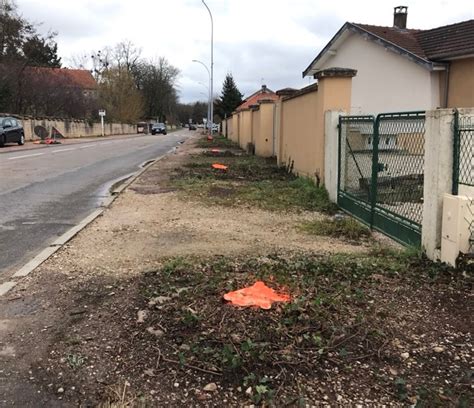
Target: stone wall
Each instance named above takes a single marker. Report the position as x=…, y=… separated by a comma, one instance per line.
x=71, y=128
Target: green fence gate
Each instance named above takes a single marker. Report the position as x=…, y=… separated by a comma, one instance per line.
x=380, y=178
x=463, y=163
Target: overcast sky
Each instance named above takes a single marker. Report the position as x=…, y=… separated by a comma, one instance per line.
x=258, y=41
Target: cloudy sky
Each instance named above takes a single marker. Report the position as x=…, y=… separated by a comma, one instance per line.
x=258, y=41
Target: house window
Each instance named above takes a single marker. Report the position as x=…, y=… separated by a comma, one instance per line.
x=387, y=141
x=369, y=140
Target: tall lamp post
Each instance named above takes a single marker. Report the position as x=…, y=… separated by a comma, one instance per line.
x=212, y=65
x=209, y=102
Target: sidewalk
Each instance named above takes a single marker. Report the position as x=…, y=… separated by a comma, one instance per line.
x=131, y=311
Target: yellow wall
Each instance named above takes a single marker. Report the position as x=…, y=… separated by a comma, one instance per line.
x=298, y=133
x=461, y=83
x=255, y=125
x=245, y=130
x=302, y=125
x=264, y=138
x=235, y=128
x=228, y=128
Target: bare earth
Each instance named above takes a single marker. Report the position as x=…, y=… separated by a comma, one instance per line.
x=79, y=296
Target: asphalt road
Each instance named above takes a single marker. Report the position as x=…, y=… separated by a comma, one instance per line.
x=44, y=192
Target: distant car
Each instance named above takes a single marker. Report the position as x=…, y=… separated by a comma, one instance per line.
x=192, y=127
x=11, y=131
x=158, y=128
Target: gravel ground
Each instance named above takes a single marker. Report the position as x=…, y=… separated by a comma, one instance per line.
x=70, y=335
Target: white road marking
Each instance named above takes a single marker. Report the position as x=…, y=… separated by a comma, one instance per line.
x=63, y=150
x=86, y=147
x=25, y=156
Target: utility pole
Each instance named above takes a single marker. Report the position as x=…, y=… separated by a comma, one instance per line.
x=212, y=66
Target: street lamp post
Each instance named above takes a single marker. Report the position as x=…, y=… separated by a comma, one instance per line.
x=212, y=65
x=209, y=102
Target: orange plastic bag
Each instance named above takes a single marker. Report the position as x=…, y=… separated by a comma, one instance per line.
x=218, y=166
x=259, y=295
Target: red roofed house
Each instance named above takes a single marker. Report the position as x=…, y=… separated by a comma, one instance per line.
x=401, y=69
x=253, y=123
x=58, y=92
x=79, y=79
x=262, y=94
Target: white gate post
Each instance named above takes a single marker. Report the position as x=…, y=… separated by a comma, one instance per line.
x=438, y=176
x=331, y=151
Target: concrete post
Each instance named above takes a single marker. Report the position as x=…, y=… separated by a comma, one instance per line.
x=331, y=151
x=438, y=176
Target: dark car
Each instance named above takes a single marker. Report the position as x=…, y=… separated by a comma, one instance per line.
x=192, y=127
x=11, y=131
x=158, y=128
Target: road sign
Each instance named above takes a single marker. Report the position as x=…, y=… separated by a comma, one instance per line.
x=102, y=112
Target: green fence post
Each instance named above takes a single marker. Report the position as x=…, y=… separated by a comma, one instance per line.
x=375, y=165
x=456, y=152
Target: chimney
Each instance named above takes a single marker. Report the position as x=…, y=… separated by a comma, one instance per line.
x=400, y=14
x=264, y=88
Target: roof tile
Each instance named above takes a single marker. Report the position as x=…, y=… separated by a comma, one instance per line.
x=434, y=44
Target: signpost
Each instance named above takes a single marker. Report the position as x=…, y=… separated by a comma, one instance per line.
x=102, y=114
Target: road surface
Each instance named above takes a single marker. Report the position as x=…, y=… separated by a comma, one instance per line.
x=44, y=192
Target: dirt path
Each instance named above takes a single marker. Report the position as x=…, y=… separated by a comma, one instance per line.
x=144, y=225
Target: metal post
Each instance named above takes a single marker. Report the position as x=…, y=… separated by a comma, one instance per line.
x=102, y=123
x=209, y=103
x=456, y=151
x=212, y=66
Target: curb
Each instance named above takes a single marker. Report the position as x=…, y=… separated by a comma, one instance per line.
x=71, y=233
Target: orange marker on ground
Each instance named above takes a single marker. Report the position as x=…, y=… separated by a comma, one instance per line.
x=259, y=295
x=218, y=166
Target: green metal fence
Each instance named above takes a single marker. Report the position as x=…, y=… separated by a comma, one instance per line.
x=463, y=160
x=381, y=171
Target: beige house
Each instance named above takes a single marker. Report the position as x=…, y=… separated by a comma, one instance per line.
x=402, y=69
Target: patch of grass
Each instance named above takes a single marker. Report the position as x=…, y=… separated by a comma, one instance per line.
x=330, y=302
x=219, y=141
x=75, y=360
x=299, y=194
x=338, y=314
x=251, y=180
x=346, y=228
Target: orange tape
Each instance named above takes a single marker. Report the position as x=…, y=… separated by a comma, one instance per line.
x=259, y=295
x=218, y=166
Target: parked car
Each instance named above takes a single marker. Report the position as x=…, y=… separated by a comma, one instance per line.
x=11, y=131
x=192, y=127
x=158, y=128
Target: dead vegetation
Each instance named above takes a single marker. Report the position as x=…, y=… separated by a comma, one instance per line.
x=366, y=326
x=248, y=181
x=346, y=337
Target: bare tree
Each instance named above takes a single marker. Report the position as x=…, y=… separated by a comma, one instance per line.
x=126, y=56
x=119, y=96
x=80, y=61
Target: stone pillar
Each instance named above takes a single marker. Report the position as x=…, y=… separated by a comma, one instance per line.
x=438, y=176
x=334, y=93
x=331, y=151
